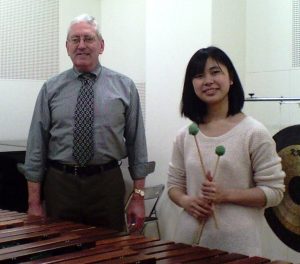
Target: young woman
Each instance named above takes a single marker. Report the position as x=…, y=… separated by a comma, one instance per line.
x=249, y=176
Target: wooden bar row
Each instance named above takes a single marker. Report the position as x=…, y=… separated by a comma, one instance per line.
x=29, y=239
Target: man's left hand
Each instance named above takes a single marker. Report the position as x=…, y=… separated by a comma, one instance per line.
x=136, y=213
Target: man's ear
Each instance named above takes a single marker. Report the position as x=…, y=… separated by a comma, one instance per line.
x=101, y=46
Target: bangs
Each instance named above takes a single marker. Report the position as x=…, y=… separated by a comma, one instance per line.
x=198, y=61
x=197, y=65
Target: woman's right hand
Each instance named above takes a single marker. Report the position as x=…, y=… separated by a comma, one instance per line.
x=197, y=207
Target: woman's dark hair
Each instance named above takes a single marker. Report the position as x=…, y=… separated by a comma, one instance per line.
x=191, y=106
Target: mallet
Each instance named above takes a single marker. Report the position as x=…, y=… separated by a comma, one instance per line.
x=193, y=130
x=220, y=151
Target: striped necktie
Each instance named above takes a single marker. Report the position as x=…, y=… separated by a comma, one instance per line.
x=83, y=142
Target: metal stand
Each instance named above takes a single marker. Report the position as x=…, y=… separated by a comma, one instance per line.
x=281, y=99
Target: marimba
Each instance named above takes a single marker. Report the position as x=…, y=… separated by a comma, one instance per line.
x=30, y=239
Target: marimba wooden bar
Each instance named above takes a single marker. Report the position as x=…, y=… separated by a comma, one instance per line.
x=32, y=240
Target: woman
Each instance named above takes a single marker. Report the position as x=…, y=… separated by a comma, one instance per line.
x=249, y=176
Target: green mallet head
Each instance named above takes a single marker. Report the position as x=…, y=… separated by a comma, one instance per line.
x=193, y=129
x=220, y=150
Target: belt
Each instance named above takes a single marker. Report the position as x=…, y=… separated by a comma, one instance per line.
x=86, y=170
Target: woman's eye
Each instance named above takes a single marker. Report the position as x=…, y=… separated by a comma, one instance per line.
x=215, y=71
x=199, y=76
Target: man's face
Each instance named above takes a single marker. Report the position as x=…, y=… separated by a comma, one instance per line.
x=84, y=46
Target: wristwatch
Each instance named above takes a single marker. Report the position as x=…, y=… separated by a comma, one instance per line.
x=139, y=192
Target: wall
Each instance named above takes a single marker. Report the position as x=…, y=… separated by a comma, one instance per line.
x=123, y=29
x=269, y=71
x=175, y=30
x=228, y=31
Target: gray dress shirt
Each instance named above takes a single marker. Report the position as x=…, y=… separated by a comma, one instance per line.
x=118, y=129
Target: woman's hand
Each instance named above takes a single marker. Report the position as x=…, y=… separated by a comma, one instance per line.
x=197, y=207
x=211, y=190
x=216, y=194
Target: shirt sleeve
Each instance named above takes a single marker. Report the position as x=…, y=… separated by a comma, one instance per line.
x=37, y=142
x=267, y=168
x=135, y=138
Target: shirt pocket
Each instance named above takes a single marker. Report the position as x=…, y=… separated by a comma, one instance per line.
x=113, y=113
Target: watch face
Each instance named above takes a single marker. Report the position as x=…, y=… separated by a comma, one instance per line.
x=140, y=192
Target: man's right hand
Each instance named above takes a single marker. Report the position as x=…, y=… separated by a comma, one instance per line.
x=36, y=209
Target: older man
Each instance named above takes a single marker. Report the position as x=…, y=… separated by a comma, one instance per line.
x=87, y=119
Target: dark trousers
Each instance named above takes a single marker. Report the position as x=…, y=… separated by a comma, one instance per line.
x=96, y=200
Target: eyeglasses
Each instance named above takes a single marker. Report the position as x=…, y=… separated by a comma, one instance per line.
x=86, y=39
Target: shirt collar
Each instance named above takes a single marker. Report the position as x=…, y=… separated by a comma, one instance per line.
x=96, y=71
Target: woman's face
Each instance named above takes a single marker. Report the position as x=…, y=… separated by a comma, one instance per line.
x=212, y=86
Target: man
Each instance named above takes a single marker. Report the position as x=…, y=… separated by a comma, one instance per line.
x=85, y=121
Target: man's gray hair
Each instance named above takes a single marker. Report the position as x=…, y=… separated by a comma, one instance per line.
x=88, y=19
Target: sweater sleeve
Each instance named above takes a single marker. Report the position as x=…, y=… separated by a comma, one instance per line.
x=266, y=166
x=176, y=171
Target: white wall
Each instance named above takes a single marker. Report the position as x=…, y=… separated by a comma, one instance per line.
x=123, y=29
x=269, y=62
x=228, y=31
x=175, y=30
x=16, y=106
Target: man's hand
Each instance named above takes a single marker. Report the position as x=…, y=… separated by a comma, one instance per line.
x=136, y=213
x=34, y=199
x=36, y=209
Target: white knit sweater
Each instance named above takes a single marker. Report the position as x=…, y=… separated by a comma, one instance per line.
x=250, y=160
